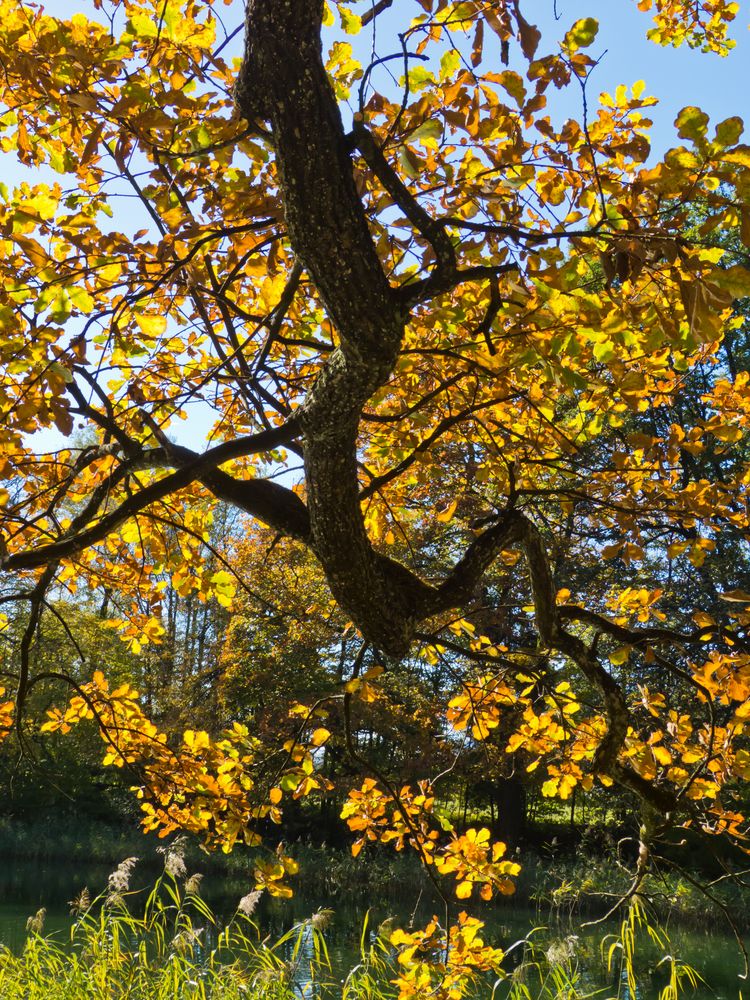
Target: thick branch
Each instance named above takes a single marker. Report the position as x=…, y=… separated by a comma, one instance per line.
x=375, y=10
x=438, y=283
x=433, y=231
x=461, y=583
x=282, y=80
x=276, y=505
x=514, y=528
x=554, y=636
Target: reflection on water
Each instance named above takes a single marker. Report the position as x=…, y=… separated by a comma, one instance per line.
x=24, y=888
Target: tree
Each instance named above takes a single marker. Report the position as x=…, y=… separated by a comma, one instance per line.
x=415, y=317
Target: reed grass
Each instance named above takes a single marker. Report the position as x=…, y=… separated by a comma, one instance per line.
x=163, y=947
x=165, y=943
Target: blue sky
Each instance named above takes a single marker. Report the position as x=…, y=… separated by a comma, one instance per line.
x=678, y=77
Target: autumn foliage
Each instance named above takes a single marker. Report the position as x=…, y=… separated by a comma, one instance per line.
x=470, y=373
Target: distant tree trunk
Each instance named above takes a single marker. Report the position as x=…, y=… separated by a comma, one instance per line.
x=509, y=795
x=573, y=811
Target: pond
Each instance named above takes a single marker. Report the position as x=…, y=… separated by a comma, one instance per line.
x=25, y=887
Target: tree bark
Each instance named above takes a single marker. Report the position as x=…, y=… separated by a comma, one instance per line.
x=283, y=82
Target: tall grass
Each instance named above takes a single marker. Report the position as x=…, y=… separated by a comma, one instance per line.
x=166, y=944
x=171, y=947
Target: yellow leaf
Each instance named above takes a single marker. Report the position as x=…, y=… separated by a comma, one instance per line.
x=463, y=889
x=739, y=155
x=735, y=596
x=727, y=432
x=351, y=23
x=151, y=326
x=581, y=35
x=620, y=656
